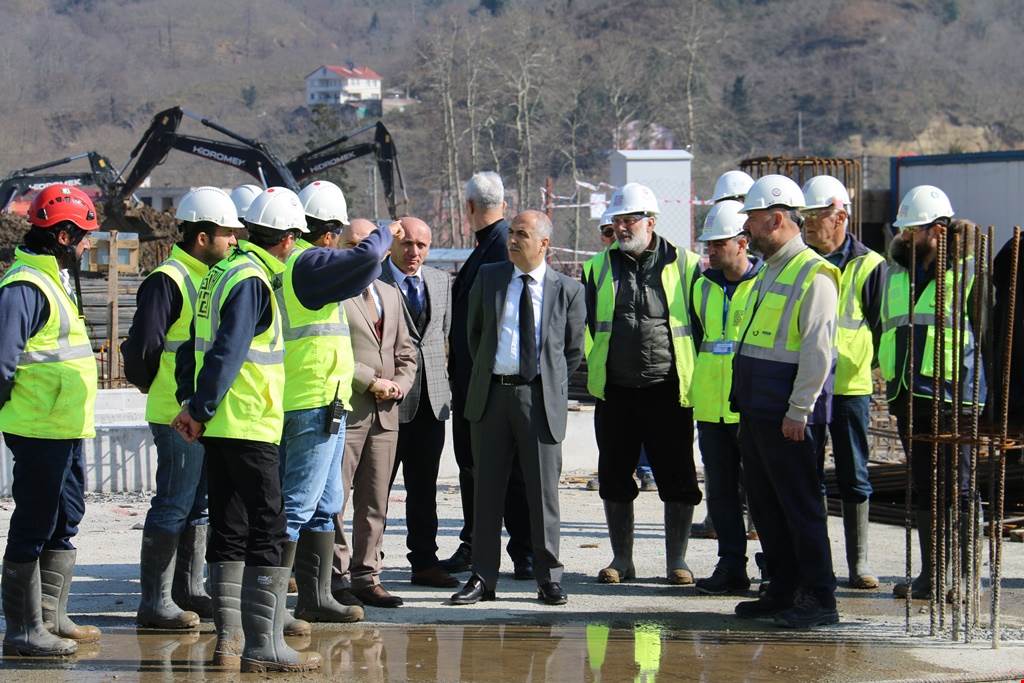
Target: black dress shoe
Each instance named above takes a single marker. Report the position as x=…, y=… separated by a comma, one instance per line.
x=552, y=594
x=523, y=571
x=473, y=592
x=460, y=561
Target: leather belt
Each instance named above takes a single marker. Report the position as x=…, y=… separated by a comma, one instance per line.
x=509, y=380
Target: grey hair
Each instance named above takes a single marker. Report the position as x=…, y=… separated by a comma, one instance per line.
x=485, y=190
x=543, y=225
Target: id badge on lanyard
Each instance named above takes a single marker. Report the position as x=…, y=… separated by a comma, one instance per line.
x=723, y=348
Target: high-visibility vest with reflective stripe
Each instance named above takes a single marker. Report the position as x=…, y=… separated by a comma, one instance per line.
x=187, y=273
x=768, y=355
x=893, y=357
x=252, y=409
x=54, y=392
x=675, y=280
x=854, y=341
x=318, y=360
x=712, y=373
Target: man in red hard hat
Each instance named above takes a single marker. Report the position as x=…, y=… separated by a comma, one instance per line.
x=47, y=396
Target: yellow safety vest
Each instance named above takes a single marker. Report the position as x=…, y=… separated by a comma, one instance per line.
x=712, y=374
x=895, y=302
x=54, y=392
x=588, y=271
x=318, y=358
x=187, y=273
x=675, y=279
x=854, y=341
x=253, y=408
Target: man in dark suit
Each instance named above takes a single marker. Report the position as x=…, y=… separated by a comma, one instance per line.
x=385, y=366
x=485, y=206
x=426, y=297
x=525, y=331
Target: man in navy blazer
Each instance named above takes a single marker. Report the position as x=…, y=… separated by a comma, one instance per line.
x=485, y=204
x=525, y=331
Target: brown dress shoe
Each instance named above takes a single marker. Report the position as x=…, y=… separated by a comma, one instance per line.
x=377, y=596
x=434, y=577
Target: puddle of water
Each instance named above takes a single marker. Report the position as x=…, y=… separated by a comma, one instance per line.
x=643, y=653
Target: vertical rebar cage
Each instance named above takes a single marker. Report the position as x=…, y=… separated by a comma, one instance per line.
x=801, y=169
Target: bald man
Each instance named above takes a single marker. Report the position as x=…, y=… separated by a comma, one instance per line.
x=385, y=369
x=523, y=349
x=426, y=296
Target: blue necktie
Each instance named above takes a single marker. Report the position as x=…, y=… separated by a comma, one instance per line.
x=412, y=295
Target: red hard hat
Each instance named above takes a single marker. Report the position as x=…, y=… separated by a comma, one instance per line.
x=58, y=203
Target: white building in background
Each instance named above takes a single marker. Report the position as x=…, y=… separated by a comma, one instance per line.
x=342, y=84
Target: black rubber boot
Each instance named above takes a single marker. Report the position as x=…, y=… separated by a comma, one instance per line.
x=293, y=626
x=920, y=587
x=156, y=570
x=678, y=518
x=22, y=598
x=313, y=558
x=56, y=568
x=620, y=530
x=263, y=611
x=187, y=590
x=226, y=584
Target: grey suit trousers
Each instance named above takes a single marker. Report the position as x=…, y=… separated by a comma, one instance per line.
x=366, y=474
x=514, y=423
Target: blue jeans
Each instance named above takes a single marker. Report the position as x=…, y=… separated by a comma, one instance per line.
x=720, y=451
x=49, y=496
x=180, y=498
x=311, y=471
x=643, y=467
x=849, y=432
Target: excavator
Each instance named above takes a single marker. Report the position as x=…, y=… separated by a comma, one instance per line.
x=123, y=211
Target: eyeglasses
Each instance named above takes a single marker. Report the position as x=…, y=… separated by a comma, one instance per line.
x=817, y=214
x=608, y=231
x=629, y=219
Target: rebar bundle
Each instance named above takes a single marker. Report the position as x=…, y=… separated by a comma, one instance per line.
x=960, y=428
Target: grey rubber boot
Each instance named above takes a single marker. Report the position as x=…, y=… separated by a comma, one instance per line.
x=22, y=598
x=56, y=568
x=156, y=571
x=855, y=528
x=920, y=587
x=187, y=590
x=313, y=558
x=226, y=585
x=263, y=611
x=293, y=626
x=678, y=518
x=619, y=517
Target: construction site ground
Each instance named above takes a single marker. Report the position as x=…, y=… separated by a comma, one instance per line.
x=641, y=630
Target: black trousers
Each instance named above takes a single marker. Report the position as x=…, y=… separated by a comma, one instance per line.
x=247, y=520
x=517, y=514
x=921, y=455
x=49, y=495
x=784, y=491
x=652, y=418
x=420, y=443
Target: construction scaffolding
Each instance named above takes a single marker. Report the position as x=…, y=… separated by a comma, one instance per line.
x=961, y=427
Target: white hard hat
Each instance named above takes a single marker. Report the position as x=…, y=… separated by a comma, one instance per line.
x=633, y=198
x=324, y=200
x=923, y=205
x=606, y=219
x=773, y=190
x=242, y=196
x=823, y=190
x=277, y=208
x=724, y=220
x=732, y=185
x=208, y=204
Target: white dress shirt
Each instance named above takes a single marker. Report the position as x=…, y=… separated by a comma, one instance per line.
x=506, y=357
x=376, y=301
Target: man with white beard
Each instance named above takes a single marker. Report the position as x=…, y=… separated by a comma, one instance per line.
x=640, y=362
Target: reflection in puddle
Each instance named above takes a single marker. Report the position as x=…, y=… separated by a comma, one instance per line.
x=643, y=653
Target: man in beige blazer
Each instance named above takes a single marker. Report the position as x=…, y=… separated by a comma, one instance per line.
x=385, y=368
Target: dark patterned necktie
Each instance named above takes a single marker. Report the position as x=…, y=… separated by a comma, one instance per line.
x=527, y=332
x=412, y=295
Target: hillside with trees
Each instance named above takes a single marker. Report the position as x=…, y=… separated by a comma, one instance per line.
x=534, y=88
